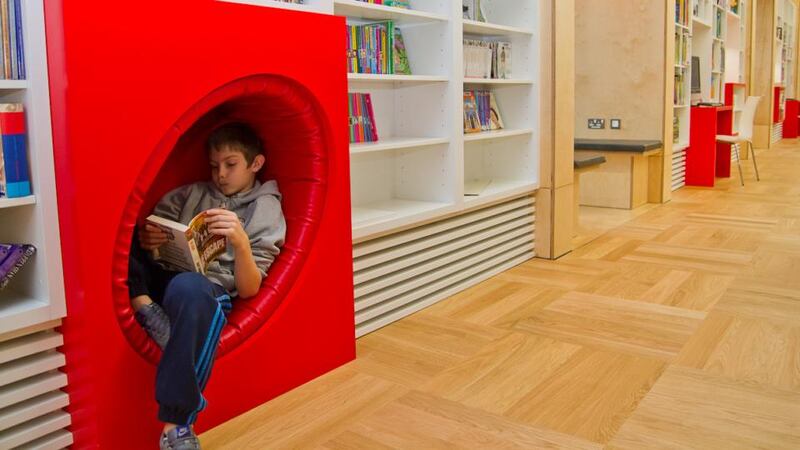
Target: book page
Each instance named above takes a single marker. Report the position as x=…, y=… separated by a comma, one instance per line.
x=177, y=251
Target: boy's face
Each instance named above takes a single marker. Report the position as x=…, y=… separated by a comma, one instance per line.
x=230, y=172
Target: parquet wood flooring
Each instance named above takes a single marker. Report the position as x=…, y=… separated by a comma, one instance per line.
x=676, y=327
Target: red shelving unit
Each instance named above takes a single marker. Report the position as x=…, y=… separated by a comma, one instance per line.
x=707, y=159
x=791, y=122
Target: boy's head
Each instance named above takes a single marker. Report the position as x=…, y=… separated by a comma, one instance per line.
x=235, y=155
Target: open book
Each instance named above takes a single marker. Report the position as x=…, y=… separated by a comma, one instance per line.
x=189, y=247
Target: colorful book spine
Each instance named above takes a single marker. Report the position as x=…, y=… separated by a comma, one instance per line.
x=5, y=29
x=361, y=120
x=16, y=180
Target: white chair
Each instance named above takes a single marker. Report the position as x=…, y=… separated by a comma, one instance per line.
x=745, y=134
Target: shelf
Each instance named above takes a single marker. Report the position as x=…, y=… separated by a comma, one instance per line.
x=20, y=201
x=18, y=310
x=700, y=22
x=680, y=106
x=489, y=29
x=680, y=25
x=281, y=5
x=497, y=134
x=384, y=78
x=496, y=81
x=13, y=85
x=733, y=15
x=499, y=188
x=393, y=143
x=352, y=8
x=368, y=219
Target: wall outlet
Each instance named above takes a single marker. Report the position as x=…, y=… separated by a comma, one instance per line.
x=597, y=124
x=616, y=124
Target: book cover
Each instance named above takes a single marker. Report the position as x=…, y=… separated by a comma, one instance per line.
x=4, y=29
x=494, y=112
x=16, y=181
x=12, y=36
x=12, y=258
x=401, y=64
x=373, y=130
x=189, y=247
x=472, y=123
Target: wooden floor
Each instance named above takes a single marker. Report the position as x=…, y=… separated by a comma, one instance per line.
x=677, y=329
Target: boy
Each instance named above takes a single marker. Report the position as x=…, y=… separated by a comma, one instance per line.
x=185, y=312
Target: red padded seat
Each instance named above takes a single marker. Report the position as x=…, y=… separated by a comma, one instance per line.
x=288, y=121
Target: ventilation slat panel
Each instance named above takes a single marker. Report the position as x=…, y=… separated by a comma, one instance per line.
x=410, y=308
x=28, y=345
x=53, y=441
x=29, y=366
x=410, y=248
x=32, y=408
x=33, y=429
x=31, y=387
x=449, y=266
x=396, y=264
x=394, y=240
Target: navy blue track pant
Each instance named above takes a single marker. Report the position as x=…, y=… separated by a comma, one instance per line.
x=197, y=309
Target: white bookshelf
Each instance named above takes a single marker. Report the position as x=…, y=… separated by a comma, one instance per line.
x=318, y=6
x=36, y=294
x=735, y=43
x=419, y=169
x=682, y=96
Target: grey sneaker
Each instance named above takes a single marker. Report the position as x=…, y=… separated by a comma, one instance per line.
x=155, y=322
x=180, y=438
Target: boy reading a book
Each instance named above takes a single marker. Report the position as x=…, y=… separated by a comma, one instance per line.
x=184, y=312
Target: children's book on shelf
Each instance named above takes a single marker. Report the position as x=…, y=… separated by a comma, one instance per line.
x=189, y=247
x=404, y=4
x=11, y=41
x=376, y=48
x=15, y=180
x=473, y=10
x=400, y=56
x=676, y=128
x=12, y=258
x=361, y=118
x=472, y=122
x=481, y=112
x=487, y=59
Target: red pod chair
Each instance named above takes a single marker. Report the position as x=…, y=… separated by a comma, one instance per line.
x=135, y=90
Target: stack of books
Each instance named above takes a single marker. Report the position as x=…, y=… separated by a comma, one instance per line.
x=396, y=3
x=487, y=59
x=15, y=179
x=12, y=56
x=376, y=48
x=361, y=118
x=481, y=112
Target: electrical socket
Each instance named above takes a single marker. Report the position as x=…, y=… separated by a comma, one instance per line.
x=616, y=124
x=597, y=124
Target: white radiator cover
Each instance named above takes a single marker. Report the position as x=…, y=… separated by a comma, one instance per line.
x=400, y=274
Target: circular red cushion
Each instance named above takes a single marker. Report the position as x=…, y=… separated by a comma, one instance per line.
x=289, y=121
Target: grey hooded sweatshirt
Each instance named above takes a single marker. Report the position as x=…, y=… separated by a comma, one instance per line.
x=259, y=210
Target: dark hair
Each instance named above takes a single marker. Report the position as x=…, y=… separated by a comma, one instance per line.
x=236, y=136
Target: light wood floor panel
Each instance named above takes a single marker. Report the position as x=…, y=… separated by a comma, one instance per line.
x=690, y=409
x=749, y=350
x=430, y=422
x=645, y=329
x=671, y=326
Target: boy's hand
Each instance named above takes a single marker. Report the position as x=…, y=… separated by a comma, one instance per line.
x=151, y=237
x=226, y=223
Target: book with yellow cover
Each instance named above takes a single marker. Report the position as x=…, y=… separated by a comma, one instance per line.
x=189, y=247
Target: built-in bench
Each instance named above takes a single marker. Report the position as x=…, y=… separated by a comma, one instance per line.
x=581, y=165
x=629, y=178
